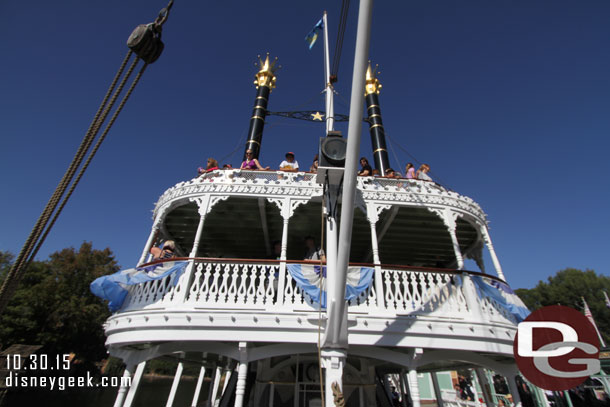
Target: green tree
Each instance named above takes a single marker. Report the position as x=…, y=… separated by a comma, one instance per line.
x=568, y=287
x=53, y=306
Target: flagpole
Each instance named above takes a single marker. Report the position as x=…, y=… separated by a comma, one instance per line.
x=330, y=109
x=589, y=316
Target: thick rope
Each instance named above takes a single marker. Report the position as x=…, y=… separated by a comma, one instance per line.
x=340, y=35
x=14, y=275
x=338, y=398
x=93, y=152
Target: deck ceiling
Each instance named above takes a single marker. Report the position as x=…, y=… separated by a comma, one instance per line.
x=234, y=229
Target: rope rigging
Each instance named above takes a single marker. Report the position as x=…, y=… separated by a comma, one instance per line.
x=339, y=44
x=145, y=43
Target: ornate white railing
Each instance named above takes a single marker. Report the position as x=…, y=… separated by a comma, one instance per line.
x=267, y=183
x=151, y=294
x=409, y=292
x=267, y=286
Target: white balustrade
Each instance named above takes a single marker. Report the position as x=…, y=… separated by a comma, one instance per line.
x=233, y=285
x=253, y=286
x=408, y=292
x=151, y=293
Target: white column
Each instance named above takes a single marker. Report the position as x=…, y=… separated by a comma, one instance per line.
x=215, y=385
x=492, y=252
x=448, y=217
x=242, y=374
x=282, y=275
x=414, y=387
x=333, y=361
x=485, y=386
x=437, y=390
x=198, y=387
x=120, y=398
x=240, y=389
x=376, y=261
x=271, y=393
x=471, y=296
x=134, y=385
x=185, y=280
x=149, y=242
x=172, y=392
x=332, y=234
x=226, y=382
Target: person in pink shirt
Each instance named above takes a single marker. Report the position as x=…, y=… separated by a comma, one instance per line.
x=410, y=171
x=252, y=163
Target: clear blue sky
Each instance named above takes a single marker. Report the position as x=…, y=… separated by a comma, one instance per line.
x=508, y=101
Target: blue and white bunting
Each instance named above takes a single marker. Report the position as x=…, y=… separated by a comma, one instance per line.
x=503, y=295
x=308, y=279
x=113, y=287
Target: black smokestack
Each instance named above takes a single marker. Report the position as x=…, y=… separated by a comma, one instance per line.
x=380, y=152
x=265, y=82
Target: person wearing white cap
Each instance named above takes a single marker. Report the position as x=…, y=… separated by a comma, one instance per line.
x=289, y=164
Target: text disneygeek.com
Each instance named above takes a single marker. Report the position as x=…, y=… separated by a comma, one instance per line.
x=15, y=380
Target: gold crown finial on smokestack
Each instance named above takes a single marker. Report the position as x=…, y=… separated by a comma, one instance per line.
x=372, y=83
x=266, y=74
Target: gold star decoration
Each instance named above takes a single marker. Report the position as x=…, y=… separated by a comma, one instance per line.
x=317, y=116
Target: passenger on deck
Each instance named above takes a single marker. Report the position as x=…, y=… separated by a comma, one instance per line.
x=422, y=173
x=212, y=165
x=376, y=173
x=313, y=252
x=252, y=163
x=289, y=164
x=390, y=173
x=314, y=165
x=165, y=252
x=366, y=169
x=277, y=250
x=410, y=171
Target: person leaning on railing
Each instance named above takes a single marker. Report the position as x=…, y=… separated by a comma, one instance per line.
x=252, y=163
x=422, y=173
x=314, y=165
x=164, y=252
x=212, y=165
x=366, y=167
x=410, y=171
x=289, y=164
x=313, y=252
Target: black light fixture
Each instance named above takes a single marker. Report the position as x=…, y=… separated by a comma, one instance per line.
x=332, y=150
x=331, y=157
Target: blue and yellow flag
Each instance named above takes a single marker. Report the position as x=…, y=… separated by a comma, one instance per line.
x=313, y=34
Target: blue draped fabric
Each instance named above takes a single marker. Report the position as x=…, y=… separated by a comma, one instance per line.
x=308, y=279
x=113, y=287
x=499, y=292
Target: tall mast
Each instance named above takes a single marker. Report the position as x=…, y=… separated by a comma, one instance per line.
x=335, y=342
x=330, y=109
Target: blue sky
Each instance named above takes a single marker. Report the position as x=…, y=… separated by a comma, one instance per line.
x=508, y=101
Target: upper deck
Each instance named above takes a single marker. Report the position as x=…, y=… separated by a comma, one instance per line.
x=414, y=234
x=417, y=222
